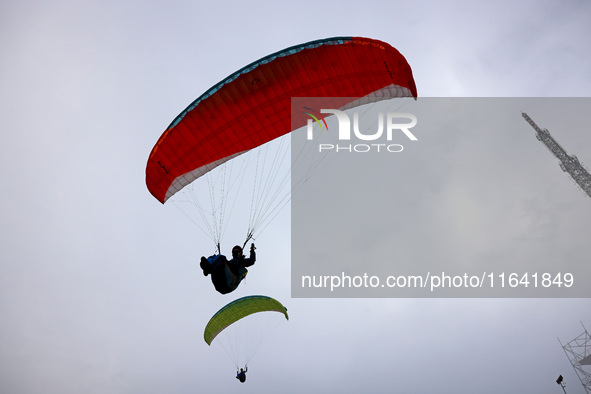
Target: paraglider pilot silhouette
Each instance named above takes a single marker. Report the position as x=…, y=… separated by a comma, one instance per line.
x=227, y=275
x=242, y=374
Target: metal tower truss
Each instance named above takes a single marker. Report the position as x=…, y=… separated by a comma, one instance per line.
x=569, y=164
x=578, y=352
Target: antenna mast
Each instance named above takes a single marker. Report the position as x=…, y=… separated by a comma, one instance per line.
x=569, y=164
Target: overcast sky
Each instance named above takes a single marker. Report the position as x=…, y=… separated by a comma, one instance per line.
x=100, y=291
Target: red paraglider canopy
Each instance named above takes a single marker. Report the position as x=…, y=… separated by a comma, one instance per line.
x=252, y=106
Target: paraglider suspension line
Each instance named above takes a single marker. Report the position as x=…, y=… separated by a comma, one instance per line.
x=248, y=238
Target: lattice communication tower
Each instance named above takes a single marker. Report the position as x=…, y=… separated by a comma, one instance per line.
x=578, y=352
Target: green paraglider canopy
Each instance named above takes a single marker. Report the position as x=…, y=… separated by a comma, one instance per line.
x=239, y=309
